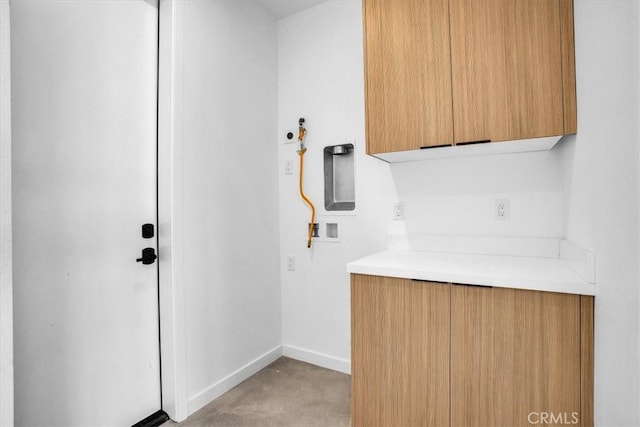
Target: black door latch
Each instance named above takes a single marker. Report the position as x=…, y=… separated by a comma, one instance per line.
x=147, y=231
x=148, y=256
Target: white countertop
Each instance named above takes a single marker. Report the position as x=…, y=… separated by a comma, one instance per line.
x=521, y=272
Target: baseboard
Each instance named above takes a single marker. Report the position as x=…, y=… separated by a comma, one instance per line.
x=319, y=359
x=218, y=389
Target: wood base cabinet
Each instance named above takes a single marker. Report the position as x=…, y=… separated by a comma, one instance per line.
x=515, y=357
x=434, y=354
x=400, y=352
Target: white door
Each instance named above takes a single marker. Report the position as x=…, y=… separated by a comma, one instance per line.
x=84, y=165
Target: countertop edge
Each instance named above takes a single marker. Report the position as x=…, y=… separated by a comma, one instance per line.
x=561, y=286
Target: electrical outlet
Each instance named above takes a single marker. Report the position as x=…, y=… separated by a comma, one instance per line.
x=502, y=209
x=291, y=263
x=398, y=210
x=288, y=167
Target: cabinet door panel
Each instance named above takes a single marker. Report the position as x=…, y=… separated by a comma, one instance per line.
x=568, y=67
x=507, y=69
x=586, y=325
x=408, y=74
x=513, y=353
x=400, y=352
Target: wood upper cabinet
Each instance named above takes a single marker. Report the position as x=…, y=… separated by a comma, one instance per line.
x=506, y=69
x=400, y=342
x=441, y=72
x=408, y=74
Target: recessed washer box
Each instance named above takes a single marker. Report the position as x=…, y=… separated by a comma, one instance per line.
x=339, y=179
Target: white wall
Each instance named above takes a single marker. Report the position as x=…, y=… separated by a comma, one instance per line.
x=602, y=195
x=6, y=283
x=320, y=78
x=457, y=196
x=229, y=187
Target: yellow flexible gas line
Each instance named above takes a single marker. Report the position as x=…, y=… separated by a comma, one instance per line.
x=305, y=198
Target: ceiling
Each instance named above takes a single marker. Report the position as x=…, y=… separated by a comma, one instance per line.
x=282, y=8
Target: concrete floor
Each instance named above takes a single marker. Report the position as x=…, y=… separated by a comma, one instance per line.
x=285, y=393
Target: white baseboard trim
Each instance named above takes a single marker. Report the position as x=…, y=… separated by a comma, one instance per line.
x=218, y=389
x=319, y=359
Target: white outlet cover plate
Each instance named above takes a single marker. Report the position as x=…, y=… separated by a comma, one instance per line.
x=291, y=263
x=398, y=210
x=502, y=209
